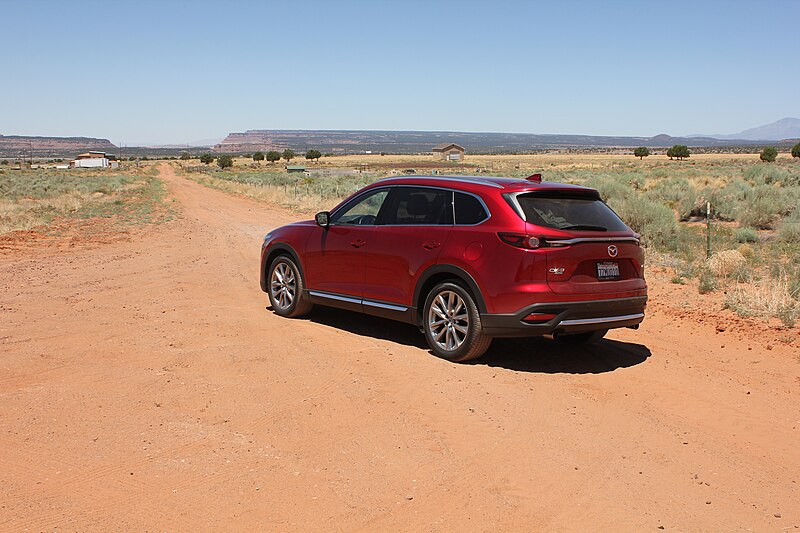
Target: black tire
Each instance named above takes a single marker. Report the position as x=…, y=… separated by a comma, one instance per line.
x=583, y=338
x=456, y=325
x=286, y=288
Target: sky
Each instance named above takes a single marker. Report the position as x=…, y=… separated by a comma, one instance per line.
x=173, y=72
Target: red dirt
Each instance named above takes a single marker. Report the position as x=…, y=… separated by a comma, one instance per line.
x=145, y=386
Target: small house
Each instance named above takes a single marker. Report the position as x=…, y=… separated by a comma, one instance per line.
x=449, y=152
x=94, y=159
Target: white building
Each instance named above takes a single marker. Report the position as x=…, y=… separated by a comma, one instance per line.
x=95, y=160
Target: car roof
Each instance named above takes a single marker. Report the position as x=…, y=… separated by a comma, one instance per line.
x=484, y=182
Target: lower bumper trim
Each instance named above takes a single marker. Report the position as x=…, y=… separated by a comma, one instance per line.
x=601, y=320
x=568, y=317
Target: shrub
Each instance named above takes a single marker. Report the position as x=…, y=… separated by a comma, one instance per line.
x=746, y=235
x=225, y=161
x=726, y=263
x=612, y=189
x=770, y=174
x=185, y=156
x=679, y=194
x=655, y=221
x=789, y=228
x=760, y=206
x=769, y=154
x=273, y=156
x=641, y=152
x=313, y=154
x=708, y=282
x=766, y=298
x=258, y=156
x=207, y=159
x=796, y=150
x=288, y=155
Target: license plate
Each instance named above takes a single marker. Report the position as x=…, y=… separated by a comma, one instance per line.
x=607, y=270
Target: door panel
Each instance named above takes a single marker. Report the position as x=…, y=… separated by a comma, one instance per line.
x=335, y=261
x=395, y=258
x=335, y=255
x=412, y=230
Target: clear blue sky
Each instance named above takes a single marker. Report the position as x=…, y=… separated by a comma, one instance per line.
x=174, y=72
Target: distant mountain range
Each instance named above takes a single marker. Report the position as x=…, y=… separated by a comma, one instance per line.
x=783, y=129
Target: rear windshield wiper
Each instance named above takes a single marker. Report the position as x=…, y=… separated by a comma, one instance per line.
x=586, y=227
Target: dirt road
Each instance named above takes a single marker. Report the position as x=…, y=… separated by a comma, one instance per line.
x=145, y=386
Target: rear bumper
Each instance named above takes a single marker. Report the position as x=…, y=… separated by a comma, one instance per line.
x=570, y=317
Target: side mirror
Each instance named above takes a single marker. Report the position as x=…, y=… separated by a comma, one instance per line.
x=323, y=219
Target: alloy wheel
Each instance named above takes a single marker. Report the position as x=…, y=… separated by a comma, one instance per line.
x=448, y=320
x=283, y=285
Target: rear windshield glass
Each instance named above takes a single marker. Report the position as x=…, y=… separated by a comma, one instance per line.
x=577, y=213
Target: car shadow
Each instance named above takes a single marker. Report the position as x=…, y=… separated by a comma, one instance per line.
x=536, y=354
x=545, y=356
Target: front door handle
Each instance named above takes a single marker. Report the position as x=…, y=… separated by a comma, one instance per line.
x=430, y=245
x=358, y=243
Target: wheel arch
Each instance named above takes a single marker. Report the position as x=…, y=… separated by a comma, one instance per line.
x=280, y=248
x=440, y=273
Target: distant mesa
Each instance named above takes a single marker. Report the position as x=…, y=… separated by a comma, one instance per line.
x=361, y=141
x=21, y=145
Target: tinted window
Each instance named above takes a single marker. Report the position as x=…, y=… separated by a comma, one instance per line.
x=418, y=205
x=469, y=210
x=579, y=213
x=363, y=211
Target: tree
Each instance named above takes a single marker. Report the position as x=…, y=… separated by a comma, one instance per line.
x=225, y=161
x=207, y=159
x=4, y=162
x=288, y=155
x=679, y=152
x=641, y=152
x=258, y=156
x=796, y=150
x=769, y=154
x=185, y=156
x=313, y=154
x=273, y=156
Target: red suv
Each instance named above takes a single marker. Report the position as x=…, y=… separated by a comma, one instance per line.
x=466, y=259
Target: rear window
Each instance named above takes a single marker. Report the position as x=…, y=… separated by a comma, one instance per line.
x=577, y=213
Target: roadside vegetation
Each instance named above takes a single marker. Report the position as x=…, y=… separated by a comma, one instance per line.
x=37, y=198
x=755, y=219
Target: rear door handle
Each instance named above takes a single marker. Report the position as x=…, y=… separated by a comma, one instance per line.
x=430, y=245
x=358, y=243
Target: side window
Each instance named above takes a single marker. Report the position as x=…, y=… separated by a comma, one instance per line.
x=364, y=211
x=409, y=206
x=469, y=210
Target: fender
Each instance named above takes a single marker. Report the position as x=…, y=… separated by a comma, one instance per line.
x=456, y=272
x=272, y=251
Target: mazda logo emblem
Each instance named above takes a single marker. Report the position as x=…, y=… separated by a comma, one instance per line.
x=612, y=251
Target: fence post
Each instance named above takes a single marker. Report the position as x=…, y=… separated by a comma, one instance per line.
x=708, y=230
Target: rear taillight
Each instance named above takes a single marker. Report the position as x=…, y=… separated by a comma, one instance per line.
x=522, y=240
